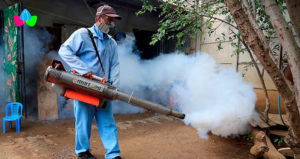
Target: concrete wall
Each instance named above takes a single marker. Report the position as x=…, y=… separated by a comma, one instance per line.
x=226, y=57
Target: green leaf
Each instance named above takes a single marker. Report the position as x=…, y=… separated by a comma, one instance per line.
x=220, y=46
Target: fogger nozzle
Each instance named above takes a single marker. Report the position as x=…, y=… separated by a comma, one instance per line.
x=99, y=90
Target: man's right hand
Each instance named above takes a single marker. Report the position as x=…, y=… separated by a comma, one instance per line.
x=88, y=75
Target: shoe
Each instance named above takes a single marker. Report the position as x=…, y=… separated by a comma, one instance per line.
x=118, y=157
x=86, y=155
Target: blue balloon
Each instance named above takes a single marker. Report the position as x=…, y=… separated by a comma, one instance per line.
x=25, y=15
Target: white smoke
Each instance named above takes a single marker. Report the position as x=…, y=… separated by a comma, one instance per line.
x=37, y=56
x=35, y=46
x=214, y=98
x=35, y=49
x=129, y=82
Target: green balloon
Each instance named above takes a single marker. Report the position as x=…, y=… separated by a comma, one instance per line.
x=32, y=21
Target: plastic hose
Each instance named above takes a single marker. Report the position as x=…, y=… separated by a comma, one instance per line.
x=279, y=112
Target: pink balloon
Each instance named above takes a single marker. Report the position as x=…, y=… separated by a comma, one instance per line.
x=18, y=21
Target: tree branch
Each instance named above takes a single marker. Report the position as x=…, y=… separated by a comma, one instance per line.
x=256, y=27
x=262, y=81
x=221, y=20
x=293, y=7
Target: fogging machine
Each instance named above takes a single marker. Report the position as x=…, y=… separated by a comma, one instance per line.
x=92, y=91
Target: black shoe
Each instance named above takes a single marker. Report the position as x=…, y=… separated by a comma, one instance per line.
x=86, y=155
x=118, y=157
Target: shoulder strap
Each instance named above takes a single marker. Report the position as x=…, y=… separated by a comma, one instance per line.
x=95, y=47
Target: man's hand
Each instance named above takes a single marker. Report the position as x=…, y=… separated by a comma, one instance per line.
x=88, y=75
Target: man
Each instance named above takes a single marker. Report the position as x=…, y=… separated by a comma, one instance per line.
x=79, y=53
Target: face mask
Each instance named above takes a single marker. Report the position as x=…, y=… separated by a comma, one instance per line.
x=107, y=28
x=112, y=29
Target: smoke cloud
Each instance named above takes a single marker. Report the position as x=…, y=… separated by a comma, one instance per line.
x=37, y=57
x=214, y=98
x=35, y=46
x=35, y=49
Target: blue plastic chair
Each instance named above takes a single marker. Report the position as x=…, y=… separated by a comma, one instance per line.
x=15, y=109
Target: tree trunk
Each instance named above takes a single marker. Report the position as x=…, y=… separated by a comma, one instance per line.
x=287, y=40
x=260, y=143
x=273, y=152
x=293, y=7
x=254, y=42
x=252, y=20
x=263, y=146
x=292, y=51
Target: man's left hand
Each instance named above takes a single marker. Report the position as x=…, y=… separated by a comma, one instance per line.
x=88, y=75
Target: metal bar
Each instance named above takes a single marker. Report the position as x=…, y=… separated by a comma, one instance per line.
x=148, y=105
x=97, y=78
x=23, y=82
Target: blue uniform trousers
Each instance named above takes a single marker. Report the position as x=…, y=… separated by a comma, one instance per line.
x=84, y=115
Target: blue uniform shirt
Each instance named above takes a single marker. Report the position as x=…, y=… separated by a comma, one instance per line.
x=79, y=53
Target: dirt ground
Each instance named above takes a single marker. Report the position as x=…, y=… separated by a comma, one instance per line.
x=141, y=136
